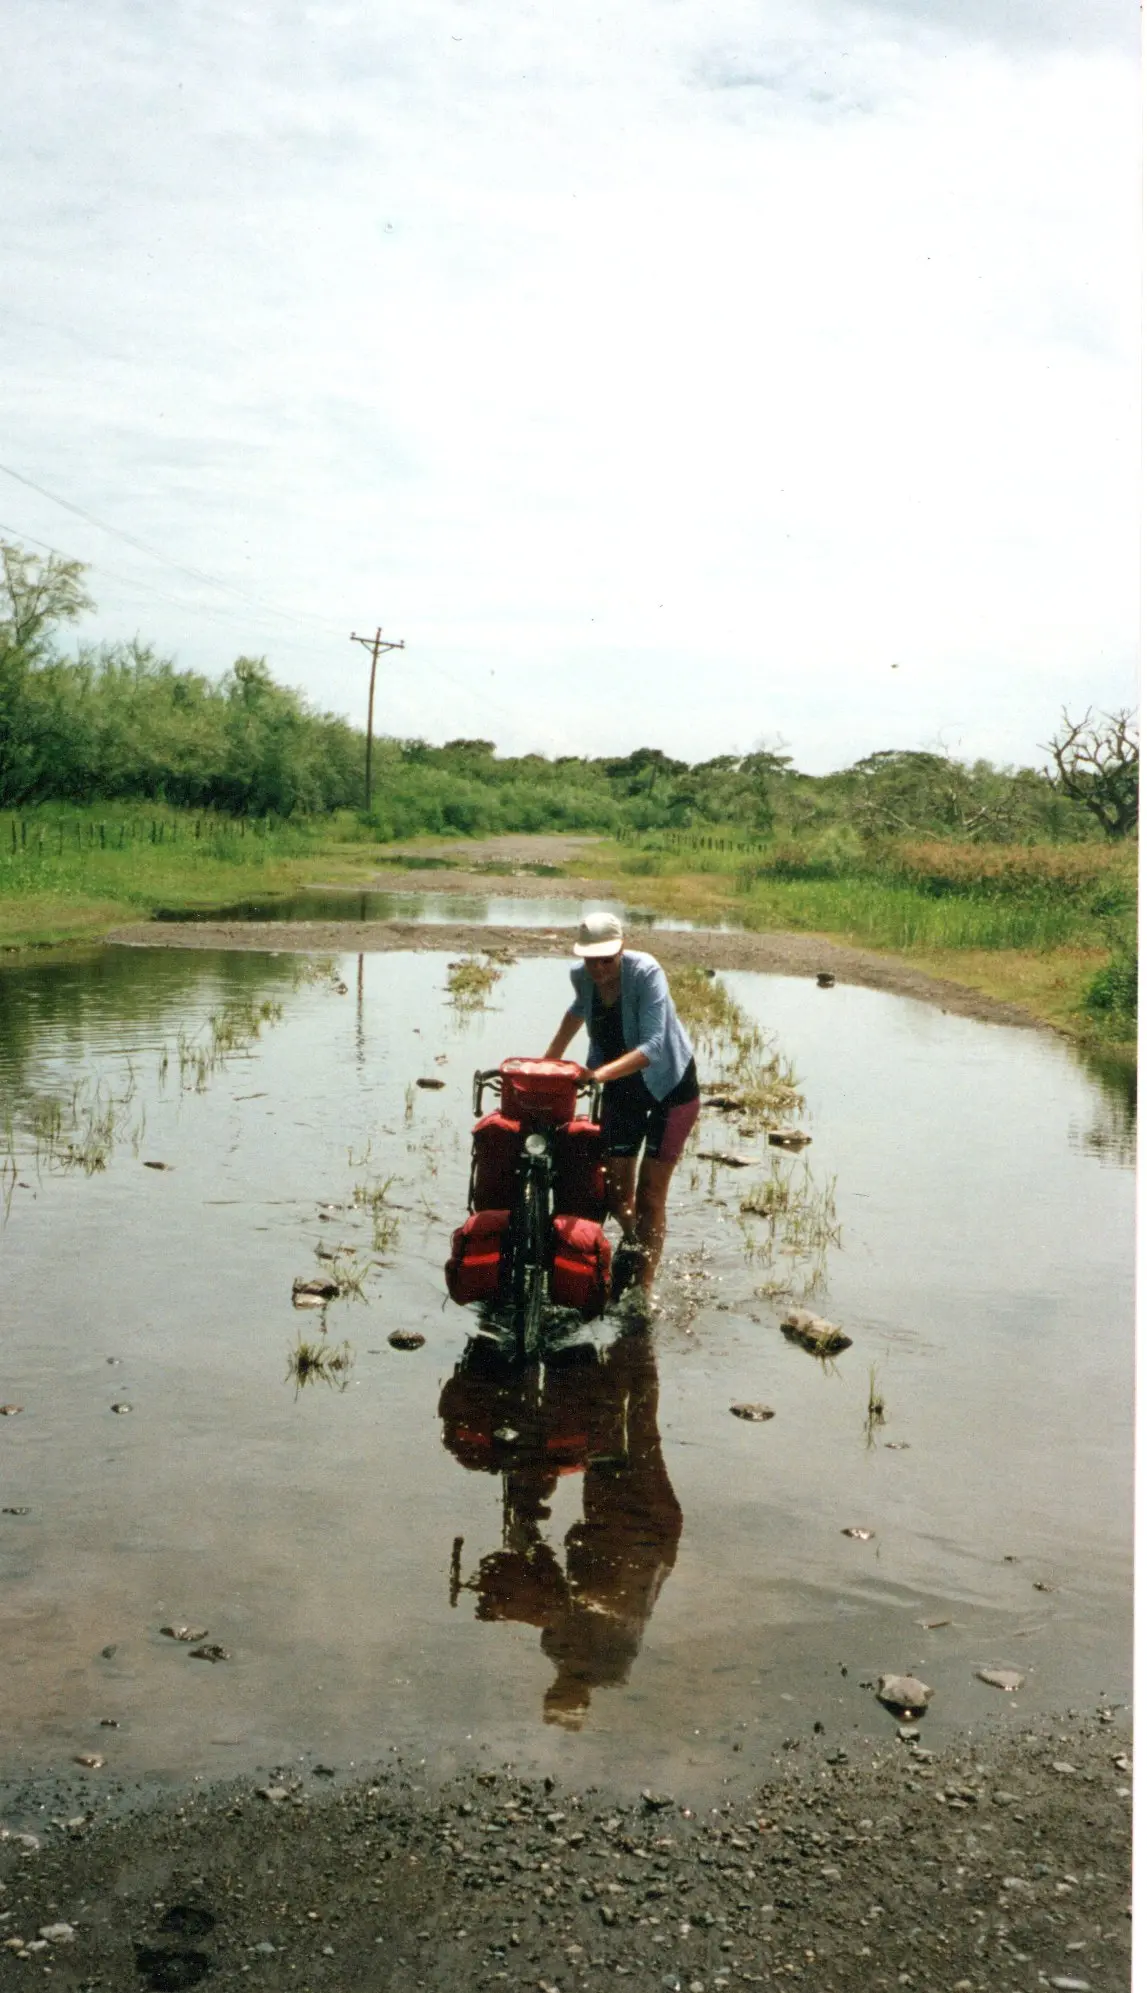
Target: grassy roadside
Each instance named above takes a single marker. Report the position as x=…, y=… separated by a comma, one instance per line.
x=1033, y=926
x=61, y=881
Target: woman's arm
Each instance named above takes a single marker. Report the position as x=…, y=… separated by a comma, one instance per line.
x=620, y=1069
x=567, y=1030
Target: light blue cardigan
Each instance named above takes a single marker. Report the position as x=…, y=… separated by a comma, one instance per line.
x=649, y=1022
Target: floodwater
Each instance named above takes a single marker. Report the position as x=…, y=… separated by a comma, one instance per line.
x=652, y=1584
x=331, y=903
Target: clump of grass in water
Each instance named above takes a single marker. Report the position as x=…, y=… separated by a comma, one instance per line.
x=374, y=1197
x=231, y=1030
x=874, y=1415
x=748, y=1062
x=800, y=1215
x=315, y=1362
x=74, y=1131
x=469, y=982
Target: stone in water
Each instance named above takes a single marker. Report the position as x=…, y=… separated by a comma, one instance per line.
x=1008, y=1679
x=904, y=1694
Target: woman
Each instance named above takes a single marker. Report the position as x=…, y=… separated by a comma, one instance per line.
x=640, y=1053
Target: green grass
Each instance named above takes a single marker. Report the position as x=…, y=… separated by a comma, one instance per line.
x=68, y=874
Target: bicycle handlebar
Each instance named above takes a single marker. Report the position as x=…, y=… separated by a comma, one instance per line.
x=588, y=1086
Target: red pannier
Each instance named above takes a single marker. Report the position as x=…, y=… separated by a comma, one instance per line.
x=540, y=1091
x=496, y=1147
x=580, y=1276
x=474, y=1268
x=579, y=1170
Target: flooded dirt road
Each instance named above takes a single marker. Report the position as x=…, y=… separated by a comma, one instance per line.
x=691, y=1604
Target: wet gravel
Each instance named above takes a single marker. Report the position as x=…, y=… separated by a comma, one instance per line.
x=1000, y=1865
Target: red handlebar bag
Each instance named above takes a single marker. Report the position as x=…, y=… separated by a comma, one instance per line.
x=580, y=1277
x=474, y=1268
x=496, y=1148
x=579, y=1170
x=541, y=1091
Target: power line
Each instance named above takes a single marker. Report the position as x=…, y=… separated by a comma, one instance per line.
x=153, y=553
x=196, y=574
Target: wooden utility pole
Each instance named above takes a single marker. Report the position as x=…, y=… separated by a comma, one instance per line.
x=375, y=645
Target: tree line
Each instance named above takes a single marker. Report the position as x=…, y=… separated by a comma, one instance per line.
x=120, y=721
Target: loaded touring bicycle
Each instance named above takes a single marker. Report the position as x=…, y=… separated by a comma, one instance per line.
x=532, y=1250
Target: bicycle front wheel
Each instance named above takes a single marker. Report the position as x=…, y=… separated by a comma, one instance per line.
x=530, y=1268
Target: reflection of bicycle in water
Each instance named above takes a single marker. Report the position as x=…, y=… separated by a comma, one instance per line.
x=533, y=1250
x=591, y=1598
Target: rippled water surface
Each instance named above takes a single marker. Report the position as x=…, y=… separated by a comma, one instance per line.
x=652, y=1582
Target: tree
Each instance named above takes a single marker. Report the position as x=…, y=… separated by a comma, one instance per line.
x=1097, y=764
x=35, y=595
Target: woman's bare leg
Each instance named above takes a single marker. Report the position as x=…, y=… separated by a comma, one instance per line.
x=620, y=1182
x=652, y=1191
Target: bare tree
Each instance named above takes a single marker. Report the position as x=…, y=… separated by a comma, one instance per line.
x=1097, y=764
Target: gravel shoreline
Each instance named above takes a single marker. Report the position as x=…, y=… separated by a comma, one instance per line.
x=997, y=1866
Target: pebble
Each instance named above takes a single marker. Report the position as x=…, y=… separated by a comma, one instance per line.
x=1008, y=1679
x=185, y=1633
x=212, y=1652
x=405, y=1339
x=121, y=1407
x=17, y=1511
x=756, y=1414
x=858, y=1535
x=273, y=1793
x=10, y=1411
x=1059, y=1765
x=91, y=1760
x=1071, y=1985
x=58, y=1934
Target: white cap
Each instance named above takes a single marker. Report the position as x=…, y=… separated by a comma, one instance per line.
x=599, y=934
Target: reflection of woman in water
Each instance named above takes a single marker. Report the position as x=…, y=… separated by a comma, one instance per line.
x=617, y=1556
x=640, y=1052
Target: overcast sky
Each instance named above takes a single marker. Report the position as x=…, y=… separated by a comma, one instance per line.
x=664, y=372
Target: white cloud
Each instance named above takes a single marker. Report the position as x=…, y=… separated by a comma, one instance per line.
x=664, y=376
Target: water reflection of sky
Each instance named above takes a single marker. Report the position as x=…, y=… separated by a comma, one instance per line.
x=985, y=1269
x=431, y=908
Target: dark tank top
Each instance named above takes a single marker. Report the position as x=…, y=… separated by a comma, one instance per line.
x=608, y=1036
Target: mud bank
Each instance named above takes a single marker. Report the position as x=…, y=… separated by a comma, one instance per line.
x=774, y=953
x=1001, y=1865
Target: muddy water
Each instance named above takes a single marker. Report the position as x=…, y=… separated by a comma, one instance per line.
x=328, y=903
x=657, y=1583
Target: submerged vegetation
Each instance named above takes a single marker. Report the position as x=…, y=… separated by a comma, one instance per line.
x=470, y=981
x=755, y=1086
x=758, y=1081
x=319, y=1362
